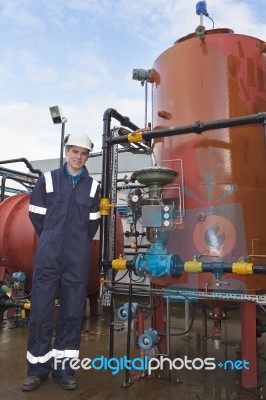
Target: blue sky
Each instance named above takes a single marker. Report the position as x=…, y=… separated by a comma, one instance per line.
x=79, y=54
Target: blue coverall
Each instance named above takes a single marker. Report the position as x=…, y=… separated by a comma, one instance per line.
x=65, y=214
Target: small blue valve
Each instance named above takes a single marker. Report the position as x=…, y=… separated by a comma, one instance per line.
x=124, y=311
x=19, y=276
x=148, y=339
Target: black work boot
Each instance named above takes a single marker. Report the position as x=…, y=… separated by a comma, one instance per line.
x=31, y=383
x=68, y=382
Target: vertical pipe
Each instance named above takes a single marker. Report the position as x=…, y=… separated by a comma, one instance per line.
x=127, y=373
x=140, y=321
x=105, y=179
x=146, y=104
x=3, y=187
x=112, y=315
x=140, y=331
x=249, y=344
x=186, y=316
x=62, y=143
x=168, y=328
x=204, y=309
x=105, y=193
x=158, y=322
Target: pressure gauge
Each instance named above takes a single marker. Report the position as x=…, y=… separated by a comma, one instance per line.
x=166, y=223
x=166, y=208
x=166, y=215
x=135, y=198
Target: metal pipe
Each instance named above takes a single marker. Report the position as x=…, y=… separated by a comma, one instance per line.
x=194, y=295
x=168, y=327
x=25, y=161
x=198, y=127
x=187, y=317
x=140, y=246
x=62, y=143
x=3, y=185
x=146, y=105
x=140, y=331
x=214, y=267
x=105, y=186
x=218, y=266
x=131, y=253
x=105, y=183
x=127, y=373
x=26, y=177
x=204, y=309
x=112, y=316
x=140, y=321
x=105, y=193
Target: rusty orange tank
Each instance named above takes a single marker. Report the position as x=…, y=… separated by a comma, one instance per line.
x=222, y=173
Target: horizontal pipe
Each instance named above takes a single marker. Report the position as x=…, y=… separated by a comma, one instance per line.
x=198, y=267
x=217, y=267
x=141, y=246
x=26, y=177
x=197, y=127
x=131, y=253
x=25, y=161
x=9, y=303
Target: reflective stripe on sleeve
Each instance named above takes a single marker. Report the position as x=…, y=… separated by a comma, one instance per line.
x=37, y=210
x=48, y=182
x=93, y=188
x=95, y=215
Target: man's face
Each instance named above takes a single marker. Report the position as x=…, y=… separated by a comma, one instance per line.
x=76, y=158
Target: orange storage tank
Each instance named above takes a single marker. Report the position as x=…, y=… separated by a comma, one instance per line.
x=222, y=172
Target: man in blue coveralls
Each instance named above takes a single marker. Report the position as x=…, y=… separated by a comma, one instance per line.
x=64, y=210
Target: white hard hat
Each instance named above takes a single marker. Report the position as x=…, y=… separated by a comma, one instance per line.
x=79, y=139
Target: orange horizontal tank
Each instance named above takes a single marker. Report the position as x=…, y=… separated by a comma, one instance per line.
x=222, y=173
x=18, y=239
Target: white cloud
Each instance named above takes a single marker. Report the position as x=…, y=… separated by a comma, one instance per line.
x=36, y=70
x=55, y=52
x=17, y=12
x=28, y=131
x=90, y=6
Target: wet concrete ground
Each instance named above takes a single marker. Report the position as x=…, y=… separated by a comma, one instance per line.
x=184, y=384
